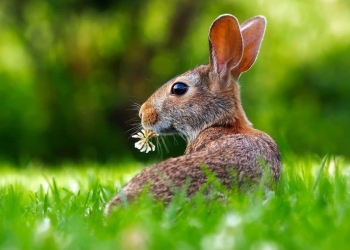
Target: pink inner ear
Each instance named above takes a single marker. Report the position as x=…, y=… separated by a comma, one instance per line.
x=220, y=66
x=226, y=43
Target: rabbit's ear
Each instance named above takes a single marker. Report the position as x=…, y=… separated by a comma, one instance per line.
x=225, y=44
x=253, y=31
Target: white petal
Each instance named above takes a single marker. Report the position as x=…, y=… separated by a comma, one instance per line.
x=153, y=147
x=148, y=148
x=138, y=135
x=139, y=144
x=143, y=149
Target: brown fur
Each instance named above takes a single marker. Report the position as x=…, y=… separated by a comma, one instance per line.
x=150, y=115
x=211, y=117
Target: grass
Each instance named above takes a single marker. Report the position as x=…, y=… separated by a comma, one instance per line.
x=62, y=208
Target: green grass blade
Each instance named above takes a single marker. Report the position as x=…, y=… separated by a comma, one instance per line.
x=320, y=170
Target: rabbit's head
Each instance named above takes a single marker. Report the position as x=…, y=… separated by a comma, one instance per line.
x=208, y=95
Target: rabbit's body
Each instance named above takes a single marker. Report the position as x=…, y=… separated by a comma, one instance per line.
x=222, y=153
x=204, y=106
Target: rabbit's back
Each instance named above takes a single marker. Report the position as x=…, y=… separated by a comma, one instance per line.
x=231, y=158
x=245, y=152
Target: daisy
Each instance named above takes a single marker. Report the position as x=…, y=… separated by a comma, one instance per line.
x=144, y=144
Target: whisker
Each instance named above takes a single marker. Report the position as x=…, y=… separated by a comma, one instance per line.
x=135, y=124
x=135, y=106
x=175, y=141
x=182, y=137
x=133, y=119
x=133, y=130
x=159, y=146
x=165, y=146
x=137, y=128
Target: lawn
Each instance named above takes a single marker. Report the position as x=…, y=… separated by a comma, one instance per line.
x=62, y=208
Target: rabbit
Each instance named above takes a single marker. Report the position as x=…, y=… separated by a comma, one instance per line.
x=204, y=106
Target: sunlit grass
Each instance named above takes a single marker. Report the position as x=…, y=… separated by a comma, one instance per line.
x=61, y=208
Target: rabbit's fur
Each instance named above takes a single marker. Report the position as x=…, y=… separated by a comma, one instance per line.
x=210, y=116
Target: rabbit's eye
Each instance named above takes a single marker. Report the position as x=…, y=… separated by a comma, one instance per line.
x=179, y=88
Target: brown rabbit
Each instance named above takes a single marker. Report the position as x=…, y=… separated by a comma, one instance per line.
x=204, y=106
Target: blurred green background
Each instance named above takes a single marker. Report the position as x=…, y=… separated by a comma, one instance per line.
x=71, y=71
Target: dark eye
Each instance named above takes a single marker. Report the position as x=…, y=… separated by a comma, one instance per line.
x=179, y=88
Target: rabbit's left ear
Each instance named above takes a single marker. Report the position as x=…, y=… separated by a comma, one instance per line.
x=253, y=31
x=225, y=45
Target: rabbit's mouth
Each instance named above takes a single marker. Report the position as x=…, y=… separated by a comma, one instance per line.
x=170, y=130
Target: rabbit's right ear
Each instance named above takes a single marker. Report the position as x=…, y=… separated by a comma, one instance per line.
x=225, y=45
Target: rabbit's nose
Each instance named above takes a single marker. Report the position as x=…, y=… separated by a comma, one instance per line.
x=148, y=114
